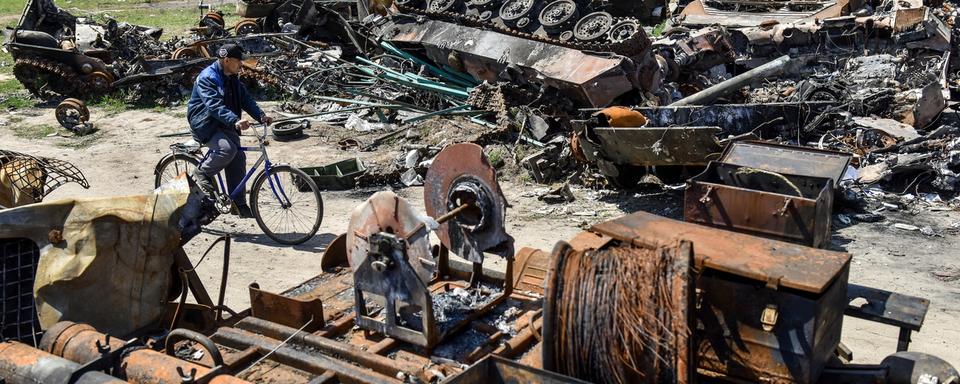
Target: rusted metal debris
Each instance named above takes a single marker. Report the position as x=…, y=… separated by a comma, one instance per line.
x=26, y=179
x=636, y=299
x=599, y=325
x=775, y=191
x=461, y=174
x=131, y=237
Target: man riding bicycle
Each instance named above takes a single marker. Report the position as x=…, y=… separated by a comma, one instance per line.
x=214, y=114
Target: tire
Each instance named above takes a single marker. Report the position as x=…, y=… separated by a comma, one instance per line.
x=301, y=191
x=177, y=163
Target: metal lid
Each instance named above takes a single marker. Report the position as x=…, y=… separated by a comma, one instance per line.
x=787, y=159
x=775, y=263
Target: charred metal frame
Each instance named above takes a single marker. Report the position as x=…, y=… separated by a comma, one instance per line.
x=18, y=310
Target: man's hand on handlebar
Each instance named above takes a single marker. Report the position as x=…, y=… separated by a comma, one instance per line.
x=266, y=120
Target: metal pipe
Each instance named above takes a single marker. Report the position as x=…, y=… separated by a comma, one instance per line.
x=23, y=364
x=313, y=363
x=381, y=364
x=223, y=280
x=709, y=95
x=420, y=229
x=79, y=343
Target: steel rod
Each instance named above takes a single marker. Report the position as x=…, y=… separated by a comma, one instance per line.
x=313, y=363
x=381, y=364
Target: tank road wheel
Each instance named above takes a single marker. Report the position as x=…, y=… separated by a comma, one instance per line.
x=558, y=15
x=46, y=79
x=71, y=113
x=185, y=53
x=100, y=81
x=515, y=13
x=247, y=27
x=593, y=26
x=445, y=6
x=212, y=17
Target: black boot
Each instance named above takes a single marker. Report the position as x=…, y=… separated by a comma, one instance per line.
x=244, y=211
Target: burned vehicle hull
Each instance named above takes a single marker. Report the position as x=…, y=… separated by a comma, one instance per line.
x=593, y=80
x=57, y=53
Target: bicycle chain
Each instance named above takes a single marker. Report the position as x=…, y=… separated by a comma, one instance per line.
x=630, y=47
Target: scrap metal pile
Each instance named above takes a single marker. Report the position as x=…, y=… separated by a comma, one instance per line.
x=781, y=111
x=405, y=297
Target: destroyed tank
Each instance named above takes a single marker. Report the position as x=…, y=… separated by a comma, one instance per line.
x=56, y=53
x=604, y=26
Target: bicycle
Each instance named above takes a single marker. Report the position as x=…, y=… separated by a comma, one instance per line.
x=280, y=187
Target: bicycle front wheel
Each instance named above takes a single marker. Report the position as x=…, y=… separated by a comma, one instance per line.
x=286, y=204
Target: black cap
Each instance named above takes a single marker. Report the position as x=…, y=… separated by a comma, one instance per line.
x=230, y=50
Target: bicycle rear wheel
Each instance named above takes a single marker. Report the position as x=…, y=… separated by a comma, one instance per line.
x=172, y=166
x=286, y=204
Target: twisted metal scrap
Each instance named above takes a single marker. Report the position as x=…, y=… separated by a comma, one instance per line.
x=34, y=176
x=619, y=317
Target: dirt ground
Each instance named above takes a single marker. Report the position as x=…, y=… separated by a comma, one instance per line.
x=120, y=158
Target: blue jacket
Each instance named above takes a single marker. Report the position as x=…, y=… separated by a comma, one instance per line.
x=216, y=102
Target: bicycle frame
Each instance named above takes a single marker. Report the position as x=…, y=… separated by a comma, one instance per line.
x=264, y=159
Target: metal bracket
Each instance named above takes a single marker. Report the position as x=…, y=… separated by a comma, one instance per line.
x=769, y=317
x=107, y=360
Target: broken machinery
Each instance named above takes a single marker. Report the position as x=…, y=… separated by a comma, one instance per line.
x=636, y=299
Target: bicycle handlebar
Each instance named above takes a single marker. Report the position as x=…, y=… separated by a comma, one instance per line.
x=257, y=134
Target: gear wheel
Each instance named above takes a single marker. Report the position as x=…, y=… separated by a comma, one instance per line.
x=623, y=30
x=46, y=79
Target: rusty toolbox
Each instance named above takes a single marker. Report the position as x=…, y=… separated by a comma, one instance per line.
x=776, y=191
x=766, y=311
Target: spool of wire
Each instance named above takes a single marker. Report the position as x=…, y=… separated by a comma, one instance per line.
x=618, y=314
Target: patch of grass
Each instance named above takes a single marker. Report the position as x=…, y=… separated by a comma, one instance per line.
x=6, y=63
x=180, y=115
x=15, y=101
x=33, y=131
x=80, y=142
x=173, y=21
x=495, y=156
x=658, y=30
x=10, y=86
x=111, y=103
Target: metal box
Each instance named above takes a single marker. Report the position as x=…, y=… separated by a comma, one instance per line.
x=766, y=311
x=767, y=334
x=780, y=192
x=338, y=176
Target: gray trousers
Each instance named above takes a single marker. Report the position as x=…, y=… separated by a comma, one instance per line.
x=225, y=155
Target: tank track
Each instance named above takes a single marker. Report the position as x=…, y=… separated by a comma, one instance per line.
x=628, y=46
x=63, y=80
